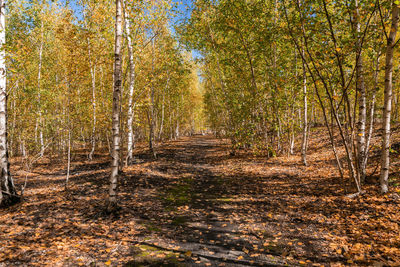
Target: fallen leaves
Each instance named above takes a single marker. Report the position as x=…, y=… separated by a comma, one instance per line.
x=252, y=206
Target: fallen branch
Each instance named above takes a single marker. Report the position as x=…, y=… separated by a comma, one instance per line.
x=351, y=196
x=210, y=257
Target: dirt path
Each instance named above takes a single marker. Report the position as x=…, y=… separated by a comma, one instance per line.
x=199, y=209
x=224, y=212
x=195, y=205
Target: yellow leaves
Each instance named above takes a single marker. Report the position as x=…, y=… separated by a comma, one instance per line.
x=240, y=258
x=188, y=253
x=338, y=49
x=108, y=263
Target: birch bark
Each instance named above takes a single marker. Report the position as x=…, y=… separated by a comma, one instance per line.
x=39, y=92
x=131, y=136
x=362, y=104
x=305, y=116
x=7, y=188
x=94, y=104
x=116, y=109
x=385, y=160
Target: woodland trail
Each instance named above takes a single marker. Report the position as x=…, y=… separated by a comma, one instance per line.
x=195, y=205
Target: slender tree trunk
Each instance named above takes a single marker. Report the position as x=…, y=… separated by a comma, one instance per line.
x=362, y=104
x=131, y=106
x=68, y=158
x=39, y=92
x=121, y=93
x=7, y=188
x=396, y=106
x=305, y=115
x=385, y=159
x=171, y=131
x=177, y=129
x=279, y=147
x=11, y=143
x=151, y=118
x=68, y=115
x=291, y=143
x=163, y=109
x=94, y=105
x=372, y=112
x=162, y=117
x=112, y=204
x=22, y=147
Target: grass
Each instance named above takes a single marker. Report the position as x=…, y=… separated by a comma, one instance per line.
x=150, y=256
x=179, y=195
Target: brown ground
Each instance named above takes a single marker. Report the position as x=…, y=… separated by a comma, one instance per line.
x=196, y=205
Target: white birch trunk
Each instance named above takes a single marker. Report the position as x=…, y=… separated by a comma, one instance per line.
x=131, y=106
x=68, y=158
x=7, y=188
x=362, y=104
x=39, y=92
x=385, y=159
x=116, y=109
x=94, y=105
x=163, y=109
x=372, y=112
x=152, y=92
x=305, y=116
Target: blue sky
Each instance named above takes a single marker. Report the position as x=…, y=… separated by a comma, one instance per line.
x=75, y=7
x=182, y=7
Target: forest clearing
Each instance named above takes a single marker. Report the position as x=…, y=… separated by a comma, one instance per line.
x=199, y=133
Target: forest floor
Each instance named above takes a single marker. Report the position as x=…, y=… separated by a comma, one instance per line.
x=196, y=205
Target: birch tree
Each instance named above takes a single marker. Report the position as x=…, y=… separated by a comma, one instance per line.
x=112, y=204
x=7, y=188
x=131, y=104
x=387, y=108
